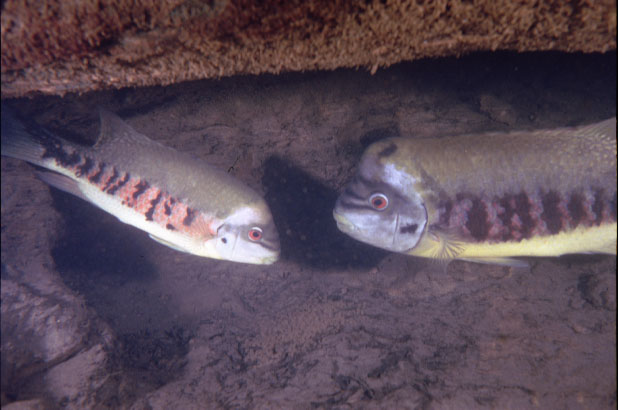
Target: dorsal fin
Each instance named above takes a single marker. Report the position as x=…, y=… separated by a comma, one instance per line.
x=114, y=130
x=606, y=128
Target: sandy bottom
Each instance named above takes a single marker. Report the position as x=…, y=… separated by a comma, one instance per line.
x=335, y=323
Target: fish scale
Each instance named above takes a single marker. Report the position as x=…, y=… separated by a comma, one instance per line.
x=178, y=199
x=524, y=215
x=218, y=191
x=132, y=192
x=487, y=197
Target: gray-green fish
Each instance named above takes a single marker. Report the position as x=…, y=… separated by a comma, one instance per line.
x=181, y=201
x=487, y=197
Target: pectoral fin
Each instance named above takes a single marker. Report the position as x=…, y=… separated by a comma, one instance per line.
x=444, y=247
x=438, y=245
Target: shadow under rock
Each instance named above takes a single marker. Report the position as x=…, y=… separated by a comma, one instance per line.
x=303, y=211
x=95, y=247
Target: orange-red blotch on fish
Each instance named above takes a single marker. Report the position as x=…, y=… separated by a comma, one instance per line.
x=181, y=201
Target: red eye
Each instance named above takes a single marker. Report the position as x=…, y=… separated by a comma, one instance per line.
x=378, y=201
x=255, y=234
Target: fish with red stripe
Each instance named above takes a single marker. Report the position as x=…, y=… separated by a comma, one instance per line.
x=181, y=201
x=487, y=197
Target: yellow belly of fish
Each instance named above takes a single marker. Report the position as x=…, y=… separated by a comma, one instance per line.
x=597, y=239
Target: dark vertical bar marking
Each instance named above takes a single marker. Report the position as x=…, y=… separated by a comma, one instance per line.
x=576, y=209
x=112, y=179
x=189, y=218
x=85, y=167
x=551, y=214
x=120, y=184
x=153, y=204
x=55, y=150
x=445, y=215
x=477, y=220
x=96, y=177
x=140, y=188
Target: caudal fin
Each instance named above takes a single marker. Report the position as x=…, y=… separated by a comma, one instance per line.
x=17, y=141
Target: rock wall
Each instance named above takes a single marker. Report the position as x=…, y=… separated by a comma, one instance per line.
x=58, y=46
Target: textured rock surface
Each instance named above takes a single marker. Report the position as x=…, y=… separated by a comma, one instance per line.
x=34, y=404
x=45, y=325
x=335, y=323
x=63, y=46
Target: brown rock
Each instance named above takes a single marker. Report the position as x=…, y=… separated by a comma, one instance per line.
x=72, y=46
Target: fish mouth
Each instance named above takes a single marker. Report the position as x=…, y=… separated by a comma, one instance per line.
x=343, y=224
x=269, y=260
x=256, y=260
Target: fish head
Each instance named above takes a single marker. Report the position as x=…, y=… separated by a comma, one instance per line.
x=248, y=235
x=381, y=206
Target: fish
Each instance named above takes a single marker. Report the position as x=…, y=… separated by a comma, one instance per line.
x=178, y=199
x=489, y=197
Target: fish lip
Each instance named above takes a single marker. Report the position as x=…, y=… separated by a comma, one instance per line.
x=269, y=260
x=338, y=217
x=343, y=224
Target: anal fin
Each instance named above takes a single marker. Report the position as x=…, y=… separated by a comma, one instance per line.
x=62, y=182
x=512, y=262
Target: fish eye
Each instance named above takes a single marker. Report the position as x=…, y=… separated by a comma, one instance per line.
x=378, y=201
x=255, y=234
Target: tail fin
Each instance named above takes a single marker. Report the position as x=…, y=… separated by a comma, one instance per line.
x=17, y=141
